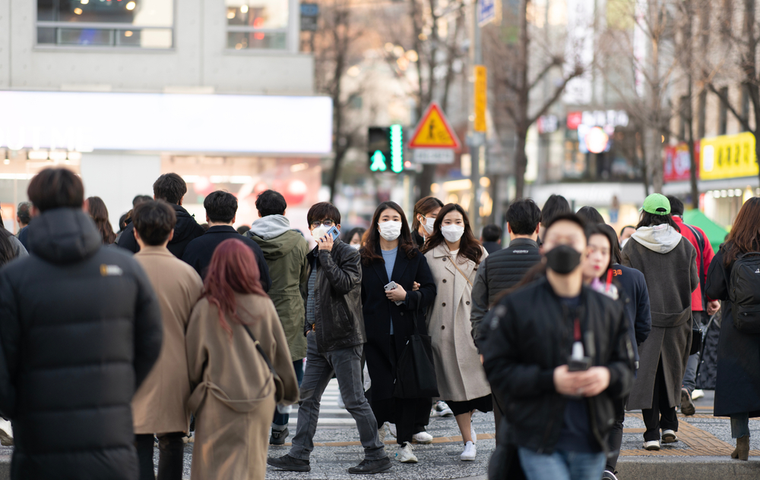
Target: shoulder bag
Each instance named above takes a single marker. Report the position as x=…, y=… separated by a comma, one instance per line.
x=415, y=371
x=280, y=388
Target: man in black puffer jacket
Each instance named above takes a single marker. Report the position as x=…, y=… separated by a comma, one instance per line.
x=559, y=417
x=80, y=328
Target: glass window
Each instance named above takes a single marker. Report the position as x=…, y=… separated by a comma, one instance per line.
x=111, y=23
x=257, y=24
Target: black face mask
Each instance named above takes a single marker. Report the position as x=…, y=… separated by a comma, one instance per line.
x=563, y=259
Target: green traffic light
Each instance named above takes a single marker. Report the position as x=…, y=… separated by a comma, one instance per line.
x=397, y=148
x=378, y=162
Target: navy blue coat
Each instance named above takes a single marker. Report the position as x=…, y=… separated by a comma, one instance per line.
x=185, y=231
x=379, y=311
x=198, y=253
x=635, y=297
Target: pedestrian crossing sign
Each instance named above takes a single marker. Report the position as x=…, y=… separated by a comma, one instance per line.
x=434, y=131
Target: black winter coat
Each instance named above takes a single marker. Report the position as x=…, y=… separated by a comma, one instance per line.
x=185, y=231
x=379, y=311
x=499, y=272
x=200, y=250
x=338, y=313
x=80, y=328
x=737, y=386
x=635, y=297
x=531, y=334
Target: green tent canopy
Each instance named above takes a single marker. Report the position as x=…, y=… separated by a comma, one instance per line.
x=715, y=233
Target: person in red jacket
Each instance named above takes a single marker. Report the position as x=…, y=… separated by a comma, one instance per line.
x=701, y=307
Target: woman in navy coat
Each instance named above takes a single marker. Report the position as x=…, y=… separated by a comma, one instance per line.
x=389, y=255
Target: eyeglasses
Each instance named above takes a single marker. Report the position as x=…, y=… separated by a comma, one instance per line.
x=326, y=223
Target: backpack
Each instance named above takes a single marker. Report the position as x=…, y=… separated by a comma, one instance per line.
x=745, y=292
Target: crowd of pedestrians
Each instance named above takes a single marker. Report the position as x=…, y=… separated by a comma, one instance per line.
x=124, y=340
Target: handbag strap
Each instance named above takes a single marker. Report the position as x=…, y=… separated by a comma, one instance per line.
x=703, y=270
x=460, y=271
x=260, y=350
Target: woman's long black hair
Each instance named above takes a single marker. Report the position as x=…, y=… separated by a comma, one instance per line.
x=371, y=240
x=651, y=219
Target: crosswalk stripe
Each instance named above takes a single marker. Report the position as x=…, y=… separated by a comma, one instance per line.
x=330, y=415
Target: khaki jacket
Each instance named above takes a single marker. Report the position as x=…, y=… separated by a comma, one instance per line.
x=458, y=369
x=160, y=404
x=233, y=389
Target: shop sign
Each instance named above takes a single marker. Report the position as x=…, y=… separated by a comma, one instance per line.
x=728, y=156
x=548, y=124
x=676, y=163
x=597, y=118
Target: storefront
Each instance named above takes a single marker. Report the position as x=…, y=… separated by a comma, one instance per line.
x=121, y=142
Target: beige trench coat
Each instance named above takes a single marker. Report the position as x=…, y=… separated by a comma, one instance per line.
x=233, y=390
x=160, y=405
x=458, y=369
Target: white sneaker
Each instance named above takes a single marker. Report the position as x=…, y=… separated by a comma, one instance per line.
x=405, y=454
x=469, y=453
x=697, y=394
x=381, y=433
x=440, y=409
x=392, y=430
x=341, y=403
x=6, y=433
x=652, y=445
x=423, y=438
x=473, y=434
x=669, y=436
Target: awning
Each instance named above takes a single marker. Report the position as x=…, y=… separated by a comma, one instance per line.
x=715, y=233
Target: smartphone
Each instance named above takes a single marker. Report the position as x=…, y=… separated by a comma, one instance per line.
x=333, y=232
x=390, y=286
x=578, y=365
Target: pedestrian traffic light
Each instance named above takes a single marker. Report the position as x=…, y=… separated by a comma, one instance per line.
x=385, y=148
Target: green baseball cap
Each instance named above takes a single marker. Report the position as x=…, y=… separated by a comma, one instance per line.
x=656, y=204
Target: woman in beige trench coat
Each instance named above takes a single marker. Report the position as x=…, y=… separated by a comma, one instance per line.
x=453, y=254
x=233, y=388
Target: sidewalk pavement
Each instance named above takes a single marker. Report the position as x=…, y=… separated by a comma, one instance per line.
x=702, y=452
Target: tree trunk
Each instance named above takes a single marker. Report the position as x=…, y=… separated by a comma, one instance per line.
x=523, y=94
x=520, y=162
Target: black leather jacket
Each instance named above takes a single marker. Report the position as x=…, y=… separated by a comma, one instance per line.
x=338, y=303
x=531, y=333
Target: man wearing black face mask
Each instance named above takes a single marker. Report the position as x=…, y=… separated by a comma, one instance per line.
x=560, y=355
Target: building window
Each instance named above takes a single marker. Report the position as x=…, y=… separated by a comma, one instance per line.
x=106, y=23
x=257, y=24
x=723, y=112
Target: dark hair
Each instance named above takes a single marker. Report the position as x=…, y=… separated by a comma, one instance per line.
x=23, y=213
x=99, y=214
x=651, y=219
x=170, y=187
x=598, y=229
x=370, y=251
x=745, y=234
x=554, y=205
x=233, y=269
x=323, y=211
x=491, y=233
x=270, y=202
x=591, y=215
x=56, y=188
x=623, y=229
x=220, y=206
x=523, y=216
x=140, y=199
x=154, y=221
x=615, y=244
x=424, y=206
x=469, y=246
x=6, y=247
x=676, y=205
x=348, y=236
x=242, y=229
x=205, y=227
x=123, y=220
x=567, y=217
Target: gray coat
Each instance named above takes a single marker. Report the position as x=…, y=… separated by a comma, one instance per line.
x=668, y=262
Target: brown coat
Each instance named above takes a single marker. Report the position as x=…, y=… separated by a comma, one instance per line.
x=458, y=369
x=160, y=405
x=233, y=389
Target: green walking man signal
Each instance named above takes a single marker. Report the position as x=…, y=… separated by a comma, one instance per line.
x=385, y=148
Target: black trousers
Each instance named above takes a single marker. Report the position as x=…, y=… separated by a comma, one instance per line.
x=498, y=413
x=615, y=438
x=661, y=415
x=171, y=451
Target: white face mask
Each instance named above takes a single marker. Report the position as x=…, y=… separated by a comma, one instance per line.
x=429, y=224
x=356, y=246
x=390, y=230
x=452, y=233
x=319, y=232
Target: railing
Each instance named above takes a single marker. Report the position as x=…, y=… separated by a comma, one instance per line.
x=100, y=34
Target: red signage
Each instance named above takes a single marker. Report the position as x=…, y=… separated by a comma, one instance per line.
x=676, y=165
x=574, y=119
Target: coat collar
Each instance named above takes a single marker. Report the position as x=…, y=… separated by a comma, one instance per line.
x=155, y=250
x=398, y=267
x=441, y=250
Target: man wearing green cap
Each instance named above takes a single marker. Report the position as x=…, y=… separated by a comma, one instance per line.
x=668, y=262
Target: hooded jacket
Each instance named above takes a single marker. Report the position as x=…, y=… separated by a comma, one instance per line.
x=186, y=230
x=285, y=253
x=80, y=328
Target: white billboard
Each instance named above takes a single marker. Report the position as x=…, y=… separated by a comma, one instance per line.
x=154, y=122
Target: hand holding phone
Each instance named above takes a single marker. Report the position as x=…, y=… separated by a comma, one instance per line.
x=395, y=292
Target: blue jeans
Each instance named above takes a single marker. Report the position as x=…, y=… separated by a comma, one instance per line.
x=561, y=465
x=281, y=419
x=739, y=425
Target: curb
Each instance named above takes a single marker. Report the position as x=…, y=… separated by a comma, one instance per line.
x=687, y=468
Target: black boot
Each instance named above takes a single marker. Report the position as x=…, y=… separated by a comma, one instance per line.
x=291, y=464
x=372, y=466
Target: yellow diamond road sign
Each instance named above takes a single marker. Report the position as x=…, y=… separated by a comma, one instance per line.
x=434, y=131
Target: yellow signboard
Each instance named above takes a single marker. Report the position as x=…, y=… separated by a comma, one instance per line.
x=728, y=156
x=480, y=103
x=434, y=131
